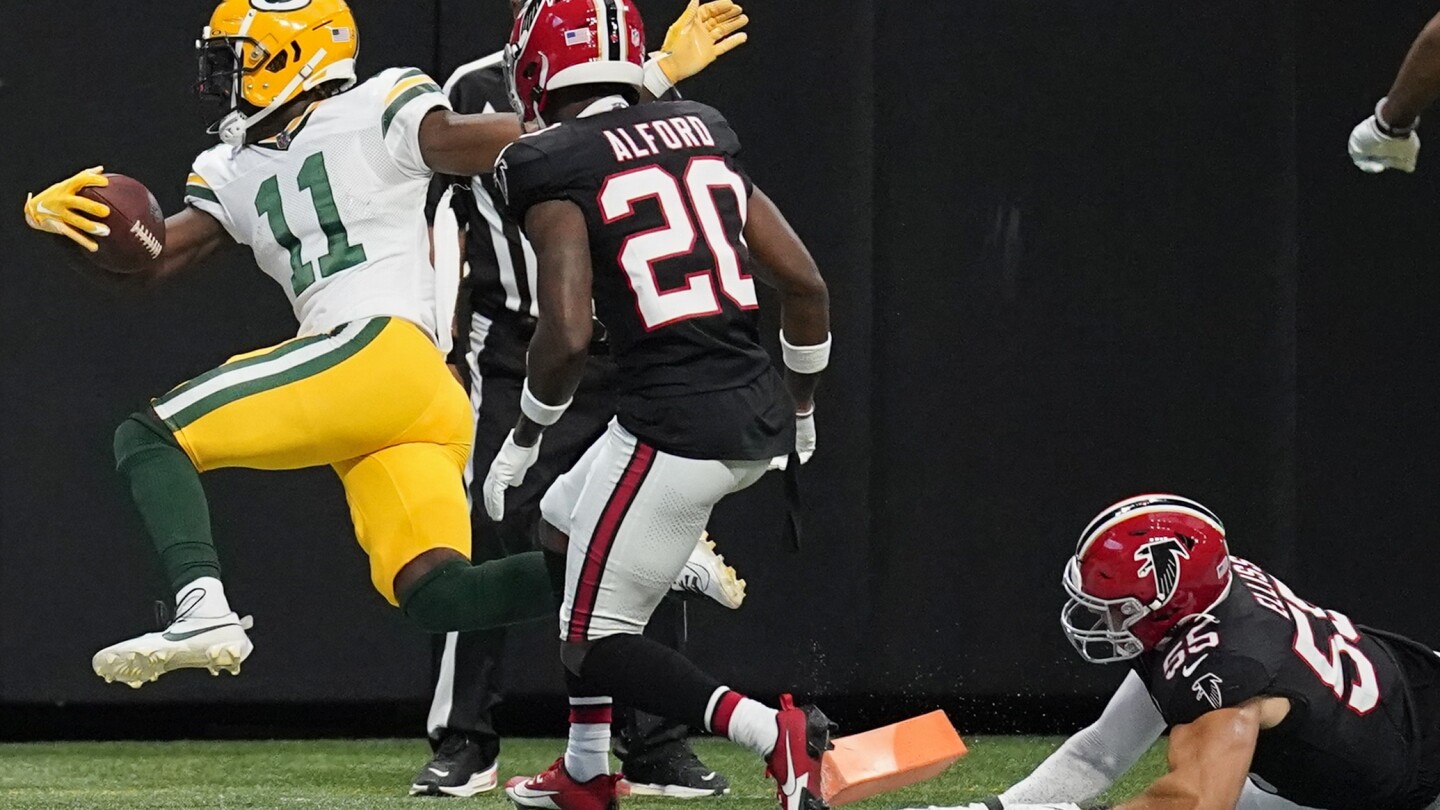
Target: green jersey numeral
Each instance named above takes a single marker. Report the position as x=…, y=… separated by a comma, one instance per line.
x=341, y=256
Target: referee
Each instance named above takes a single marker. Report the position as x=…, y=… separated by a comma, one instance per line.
x=497, y=306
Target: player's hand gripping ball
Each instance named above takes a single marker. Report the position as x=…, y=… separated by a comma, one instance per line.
x=112, y=217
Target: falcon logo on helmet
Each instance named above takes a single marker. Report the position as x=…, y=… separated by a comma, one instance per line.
x=564, y=43
x=1161, y=557
x=1118, y=610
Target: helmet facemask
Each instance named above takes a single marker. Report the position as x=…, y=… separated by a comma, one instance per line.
x=223, y=65
x=527, y=109
x=1100, y=629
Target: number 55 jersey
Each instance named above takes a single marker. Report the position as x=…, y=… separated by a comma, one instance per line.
x=333, y=206
x=665, y=202
x=1363, y=730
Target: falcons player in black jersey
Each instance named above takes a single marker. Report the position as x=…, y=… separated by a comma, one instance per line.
x=1271, y=702
x=647, y=212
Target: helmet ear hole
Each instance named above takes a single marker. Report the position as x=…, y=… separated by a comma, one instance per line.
x=280, y=62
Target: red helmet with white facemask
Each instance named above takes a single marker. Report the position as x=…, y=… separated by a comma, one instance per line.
x=1143, y=566
x=562, y=43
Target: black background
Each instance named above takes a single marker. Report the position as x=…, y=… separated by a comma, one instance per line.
x=1077, y=249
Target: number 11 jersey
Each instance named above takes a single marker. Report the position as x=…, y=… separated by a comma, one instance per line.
x=1364, y=721
x=665, y=203
x=333, y=206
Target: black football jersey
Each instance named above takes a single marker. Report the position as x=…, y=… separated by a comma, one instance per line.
x=1361, y=701
x=665, y=201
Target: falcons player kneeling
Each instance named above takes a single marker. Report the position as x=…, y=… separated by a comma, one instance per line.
x=642, y=217
x=1271, y=701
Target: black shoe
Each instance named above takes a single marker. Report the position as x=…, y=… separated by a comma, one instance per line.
x=678, y=774
x=459, y=768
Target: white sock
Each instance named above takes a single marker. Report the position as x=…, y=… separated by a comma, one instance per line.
x=744, y=721
x=202, y=599
x=587, y=754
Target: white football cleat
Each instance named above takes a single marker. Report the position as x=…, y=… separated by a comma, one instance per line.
x=218, y=644
x=706, y=574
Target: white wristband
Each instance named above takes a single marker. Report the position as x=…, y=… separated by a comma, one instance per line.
x=537, y=411
x=805, y=359
x=655, y=79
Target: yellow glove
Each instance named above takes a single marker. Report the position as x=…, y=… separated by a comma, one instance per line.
x=60, y=209
x=702, y=34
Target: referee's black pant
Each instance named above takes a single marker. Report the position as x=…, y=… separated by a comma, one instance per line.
x=467, y=670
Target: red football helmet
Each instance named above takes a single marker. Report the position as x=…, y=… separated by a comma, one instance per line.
x=562, y=43
x=1142, y=567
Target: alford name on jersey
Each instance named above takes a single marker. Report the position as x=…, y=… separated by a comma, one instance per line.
x=674, y=134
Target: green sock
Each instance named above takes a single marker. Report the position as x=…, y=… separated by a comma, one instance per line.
x=459, y=596
x=166, y=488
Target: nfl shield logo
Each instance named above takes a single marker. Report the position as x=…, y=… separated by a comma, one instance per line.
x=282, y=141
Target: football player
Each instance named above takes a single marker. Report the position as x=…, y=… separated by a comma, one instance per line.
x=644, y=218
x=1271, y=701
x=496, y=317
x=325, y=179
x=1387, y=139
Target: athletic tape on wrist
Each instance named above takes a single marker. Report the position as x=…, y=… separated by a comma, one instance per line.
x=538, y=412
x=805, y=359
x=1388, y=129
x=655, y=79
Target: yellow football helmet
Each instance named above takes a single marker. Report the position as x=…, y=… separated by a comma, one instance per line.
x=257, y=55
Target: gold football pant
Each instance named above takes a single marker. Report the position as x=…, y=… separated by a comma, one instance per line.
x=374, y=401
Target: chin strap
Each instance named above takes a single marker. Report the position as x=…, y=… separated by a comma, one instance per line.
x=233, y=128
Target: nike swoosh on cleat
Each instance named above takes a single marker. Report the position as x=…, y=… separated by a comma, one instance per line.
x=169, y=636
x=438, y=772
x=792, y=786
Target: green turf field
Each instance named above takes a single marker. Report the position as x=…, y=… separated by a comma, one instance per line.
x=364, y=774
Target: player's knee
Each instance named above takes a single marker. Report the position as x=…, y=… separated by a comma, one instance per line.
x=139, y=433
x=428, y=599
x=572, y=655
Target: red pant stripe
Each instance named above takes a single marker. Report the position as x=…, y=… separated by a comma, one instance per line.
x=587, y=590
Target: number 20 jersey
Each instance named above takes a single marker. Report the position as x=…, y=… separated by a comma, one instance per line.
x=1364, y=725
x=334, y=205
x=665, y=203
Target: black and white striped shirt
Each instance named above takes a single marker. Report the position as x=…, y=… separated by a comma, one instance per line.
x=501, y=280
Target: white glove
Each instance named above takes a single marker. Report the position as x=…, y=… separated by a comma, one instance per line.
x=804, y=442
x=507, y=470
x=1373, y=151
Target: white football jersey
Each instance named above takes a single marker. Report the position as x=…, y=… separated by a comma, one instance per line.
x=334, y=206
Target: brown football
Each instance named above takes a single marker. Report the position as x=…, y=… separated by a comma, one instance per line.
x=137, y=226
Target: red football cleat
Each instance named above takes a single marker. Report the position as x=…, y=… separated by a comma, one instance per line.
x=795, y=762
x=555, y=790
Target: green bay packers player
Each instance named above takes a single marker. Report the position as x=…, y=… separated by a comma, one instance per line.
x=325, y=179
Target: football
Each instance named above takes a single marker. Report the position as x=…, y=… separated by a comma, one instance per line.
x=137, y=226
